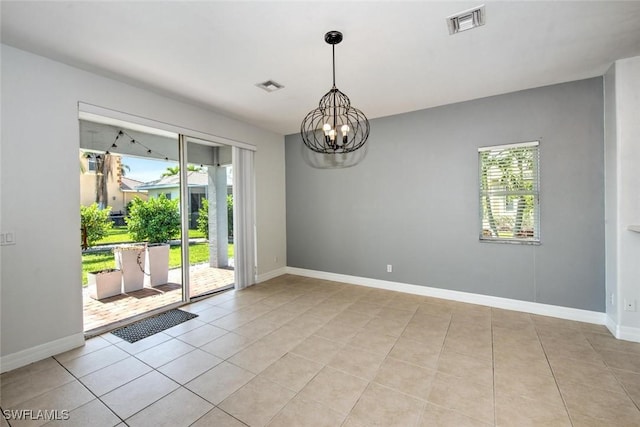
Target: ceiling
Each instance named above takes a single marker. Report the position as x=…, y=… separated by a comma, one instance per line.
x=396, y=56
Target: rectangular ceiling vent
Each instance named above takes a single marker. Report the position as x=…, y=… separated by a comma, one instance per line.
x=466, y=20
x=270, y=86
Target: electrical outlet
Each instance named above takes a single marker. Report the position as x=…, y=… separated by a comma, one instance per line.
x=612, y=299
x=389, y=268
x=629, y=305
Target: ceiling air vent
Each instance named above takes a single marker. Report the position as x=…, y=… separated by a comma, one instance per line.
x=466, y=20
x=270, y=86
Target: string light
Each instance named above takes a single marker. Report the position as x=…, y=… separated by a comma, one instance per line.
x=132, y=141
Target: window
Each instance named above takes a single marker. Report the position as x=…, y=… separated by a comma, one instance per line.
x=509, y=193
x=92, y=164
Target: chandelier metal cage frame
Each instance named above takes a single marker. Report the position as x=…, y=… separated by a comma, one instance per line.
x=335, y=127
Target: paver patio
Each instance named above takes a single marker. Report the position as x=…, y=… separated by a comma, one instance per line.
x=203, y=280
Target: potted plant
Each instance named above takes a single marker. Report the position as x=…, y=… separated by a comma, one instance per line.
x=104, y=283
x=156, y=221
x=130, y=259
x=94, y=225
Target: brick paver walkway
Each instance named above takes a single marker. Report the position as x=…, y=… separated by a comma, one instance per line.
x=203, y=279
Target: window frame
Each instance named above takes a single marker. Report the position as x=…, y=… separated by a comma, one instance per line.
x=535, y=192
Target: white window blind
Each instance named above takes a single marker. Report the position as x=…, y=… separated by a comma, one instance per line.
x=509, y=192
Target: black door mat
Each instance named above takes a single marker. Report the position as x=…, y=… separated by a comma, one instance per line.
x=152, y=325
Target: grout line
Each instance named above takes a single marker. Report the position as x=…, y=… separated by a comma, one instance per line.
x=444, y=341
x=555, y=380
x=90, y=391
x=637, y=404
x=493, y=371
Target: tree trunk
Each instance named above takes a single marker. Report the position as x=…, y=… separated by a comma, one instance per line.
x=485, y=185
x=492, y=221
x=517, y=228
x=103, y=171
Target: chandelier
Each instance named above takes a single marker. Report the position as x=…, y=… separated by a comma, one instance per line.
x=334, y=130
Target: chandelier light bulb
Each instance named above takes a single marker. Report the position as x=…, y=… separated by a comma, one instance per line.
x=345, y=131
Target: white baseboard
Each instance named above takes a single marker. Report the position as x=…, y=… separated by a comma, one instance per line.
x=39, y=352
x=626, y=333
x=271, y=274
x=491, y=301
x=611, y=325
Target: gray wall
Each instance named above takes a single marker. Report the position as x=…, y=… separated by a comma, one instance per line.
x=413, y=201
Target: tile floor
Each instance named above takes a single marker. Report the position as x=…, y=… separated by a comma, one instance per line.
x=296, y=351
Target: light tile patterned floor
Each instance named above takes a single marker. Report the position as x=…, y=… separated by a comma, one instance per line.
x=296, y=351
x=203, y=279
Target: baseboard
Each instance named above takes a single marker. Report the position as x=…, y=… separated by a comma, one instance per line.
x=611, y=325
x=271, y=274
x=626, y=333
x=39, y=352
x=491, y=301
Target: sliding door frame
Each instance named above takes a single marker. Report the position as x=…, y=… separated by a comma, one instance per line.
x=184, y=216
x=184, y=135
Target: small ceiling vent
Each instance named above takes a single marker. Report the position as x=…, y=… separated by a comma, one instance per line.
x=270, y=86
x=466, y=20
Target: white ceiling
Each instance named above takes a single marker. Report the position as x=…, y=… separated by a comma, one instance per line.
x=396, y=56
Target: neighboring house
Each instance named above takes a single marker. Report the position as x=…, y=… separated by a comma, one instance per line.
x=121, y=190
x=129, y=190
x=198, y=183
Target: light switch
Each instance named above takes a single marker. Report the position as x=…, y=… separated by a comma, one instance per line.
x=7, y=238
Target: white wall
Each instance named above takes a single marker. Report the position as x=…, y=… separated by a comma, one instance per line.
x=623, y=245
x=41, y=299
x=611, y=195
x=628, y=137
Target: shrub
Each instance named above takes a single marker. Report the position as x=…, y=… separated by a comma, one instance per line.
x=94, y=224
x=156, y=220
x=203, y=218
x=230, y=215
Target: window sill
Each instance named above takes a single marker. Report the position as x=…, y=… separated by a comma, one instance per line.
x=511, y=241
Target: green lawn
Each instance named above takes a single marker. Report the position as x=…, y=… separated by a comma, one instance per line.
x=198, y=253
x=120, y=235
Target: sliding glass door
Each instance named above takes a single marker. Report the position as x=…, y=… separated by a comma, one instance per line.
x=130, y=183
x=209, y=206
x=169, y=213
